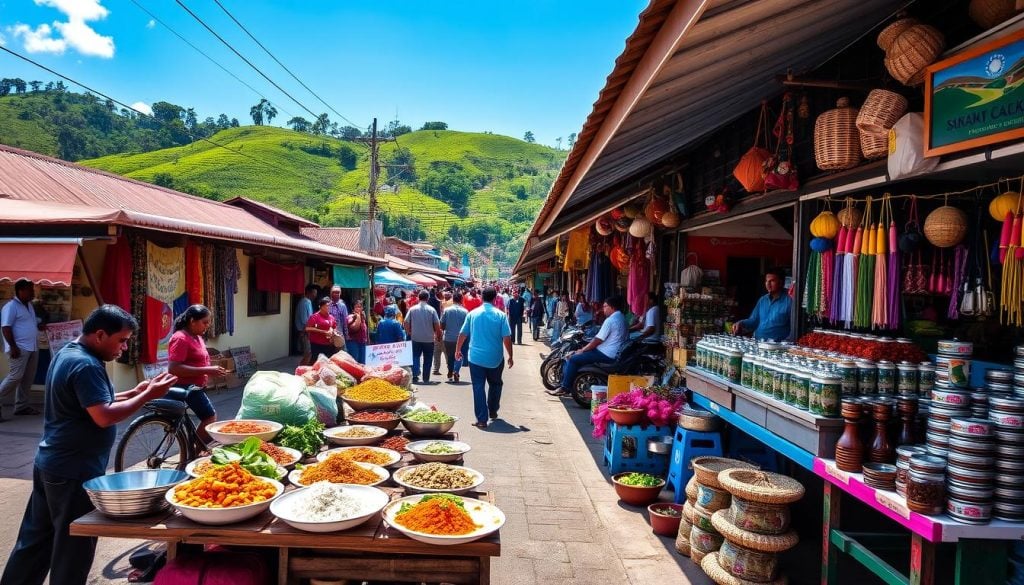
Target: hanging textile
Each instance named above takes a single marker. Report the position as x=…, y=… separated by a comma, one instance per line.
x=220, y=317
x=286, y=278
x=209, y=283
x=639, y=277
x=166, y=272
x=577, y=249
x=116, y=282
x=193, y=273
x=231, y=274
x=139, y=287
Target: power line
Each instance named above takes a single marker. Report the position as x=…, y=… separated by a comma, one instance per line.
x=243, y=58
x=278, y=61
x=211, y=59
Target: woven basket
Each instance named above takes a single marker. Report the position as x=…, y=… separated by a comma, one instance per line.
x=713, y=569
x=880, y=111
x=913, y=50
x=874, y=146
x=698, y=420
x=761, y=486
x=849, y=217
x=691, y=489
x=702, y=519
x=889, y=33
x=836, y=140
x=769, y=543
x=683, y=537
x=945, y=227
x=698, y=556
x=705, y=541
x=688, y=511
x=707, y=468
x=989, y=13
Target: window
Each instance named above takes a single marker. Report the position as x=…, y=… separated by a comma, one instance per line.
x=261, y=303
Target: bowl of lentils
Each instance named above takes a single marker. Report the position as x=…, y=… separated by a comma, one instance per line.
x=429, y=423
x=384, y=419
x=437, y=450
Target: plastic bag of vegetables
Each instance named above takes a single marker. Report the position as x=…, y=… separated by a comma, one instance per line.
x=278, y=397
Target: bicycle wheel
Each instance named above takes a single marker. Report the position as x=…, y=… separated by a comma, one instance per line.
x=152, y=441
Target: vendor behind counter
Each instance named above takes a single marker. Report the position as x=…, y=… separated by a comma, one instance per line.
x=770, y=318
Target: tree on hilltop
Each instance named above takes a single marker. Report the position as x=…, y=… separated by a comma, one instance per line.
x=299, y=124
x=262, y=112
x=528, y=137
x=572, y=140
x=321, y=125
x=434, y=126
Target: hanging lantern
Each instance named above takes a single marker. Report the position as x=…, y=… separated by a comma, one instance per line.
x=656, y=210
x=640, y=228
x=998, y=207
x=849, y=217
x=631, y=210
x=825, y=225
x=945, y=227
x=821, y=244
x=604, y=225
x=671, y=219
x=622, y=224
x=617, y=213
x=619, y=257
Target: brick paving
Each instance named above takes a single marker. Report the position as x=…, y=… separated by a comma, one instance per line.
x=564, y=524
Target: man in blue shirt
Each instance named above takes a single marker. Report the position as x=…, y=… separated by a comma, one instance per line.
x=303, y=311
x=488, y=330
x=770, y=318
x=389, y=330
x=79, y=427
x=516, y=309
x=603, y=348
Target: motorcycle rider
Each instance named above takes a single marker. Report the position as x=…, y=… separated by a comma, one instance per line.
x=603, y=348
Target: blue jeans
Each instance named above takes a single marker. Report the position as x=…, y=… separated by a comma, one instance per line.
x=576, y=362
x=426, y=350
x=556, y=328
x=44, y=545
x=486, y=402
x=356, y=349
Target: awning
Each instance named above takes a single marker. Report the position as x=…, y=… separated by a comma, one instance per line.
x=389, y=278
x=421, y=279
x=350, y=277
x=48, y=261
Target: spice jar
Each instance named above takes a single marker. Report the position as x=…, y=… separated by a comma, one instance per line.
x=779, y=382
x=746, y=370
x=802, y=377
x=867, y=378
x=831, y=390
x=849, y=372
x=926, y=492
x=886, y=383
x=732, y=364
x=925, y=379
x=906, y=379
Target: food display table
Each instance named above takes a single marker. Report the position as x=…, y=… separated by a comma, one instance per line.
x=981, y=551
x=369, y=552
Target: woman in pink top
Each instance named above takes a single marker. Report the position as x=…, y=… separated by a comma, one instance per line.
x=358, y=336
x=190, y=362
x=321, y=327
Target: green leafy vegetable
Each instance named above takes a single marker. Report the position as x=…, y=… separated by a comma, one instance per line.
x=429, y=416
x=406, y=506
x=640, y=480
x=308, y=438
x=249, y=456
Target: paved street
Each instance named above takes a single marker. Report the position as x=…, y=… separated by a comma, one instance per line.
x=565, y=523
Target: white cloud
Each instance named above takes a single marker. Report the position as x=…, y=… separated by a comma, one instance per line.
x=75, y=33
x=151, y=23
x=143, y=107
x=2, y=40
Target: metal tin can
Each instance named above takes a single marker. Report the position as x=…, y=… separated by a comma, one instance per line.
x=972, y=428
x=999, y=375
x=906, y=379
x=779, y=382
x=925, y=379
x=955, y=347
x=814, y=393
x=956, y=370
x=849, y=372
x=803, y=388
x=792, y=382
x=969, y=512
x=886, y=377
x=831, y=393
x=732, y=363
x=867, y=378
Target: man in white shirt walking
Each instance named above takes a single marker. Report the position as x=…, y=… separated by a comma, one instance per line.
x=19, y=326
x=603, y=348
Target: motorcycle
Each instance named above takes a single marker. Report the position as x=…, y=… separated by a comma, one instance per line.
x=638, y=357
x=552, y=366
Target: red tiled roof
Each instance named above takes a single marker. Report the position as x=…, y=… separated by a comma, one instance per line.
x=37, y=189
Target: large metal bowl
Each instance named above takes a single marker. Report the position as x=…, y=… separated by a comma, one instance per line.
x=425, y=429
x=133, y=493
x=362, y=405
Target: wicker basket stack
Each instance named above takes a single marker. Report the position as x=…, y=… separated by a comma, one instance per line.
x=909, y=48
x=990, y=13
x=755, y=527
x=705, y=496
x=880, y=111
x=836, y=138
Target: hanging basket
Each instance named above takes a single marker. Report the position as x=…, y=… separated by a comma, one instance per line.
x=912, y=51
x=874, y=146
x=849, y=217
x=880, y=111
x=836, y=140
x=945, y=227
x=889, y=33
x=990, y=13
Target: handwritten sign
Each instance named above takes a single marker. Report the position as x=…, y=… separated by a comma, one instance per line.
x=245, y=364
x=60, y=334
x=833, y=471
x=396, y=354
x=892, y=504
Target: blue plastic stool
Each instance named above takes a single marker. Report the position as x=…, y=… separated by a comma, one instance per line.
x=686, y=446
x=635, y=457
x=746, y=448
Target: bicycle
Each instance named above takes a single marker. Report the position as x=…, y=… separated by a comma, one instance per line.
x=165, y=436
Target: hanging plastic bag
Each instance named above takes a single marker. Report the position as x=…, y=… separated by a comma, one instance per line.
x=906, y=148
x=325, y=399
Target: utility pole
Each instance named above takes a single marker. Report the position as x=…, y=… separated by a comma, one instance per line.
x=371, y=240
x=374, y=172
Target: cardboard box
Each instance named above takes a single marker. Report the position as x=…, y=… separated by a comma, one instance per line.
x=617, y=384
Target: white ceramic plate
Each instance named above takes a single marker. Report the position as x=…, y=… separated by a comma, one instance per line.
x=401, y=473
x=382, y=473
x=232, y=438
x=416, y=448
x=487, y=516
x=378, y=434
x=296, y=456
x=374, y=501
x=393, y=456
x=219, y=516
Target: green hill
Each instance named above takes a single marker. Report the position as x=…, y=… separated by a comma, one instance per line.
x=444, y=186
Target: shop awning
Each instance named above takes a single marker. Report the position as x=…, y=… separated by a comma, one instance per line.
x=389, y=278
x=350, y=277
x=47, y=261
x=421, y=279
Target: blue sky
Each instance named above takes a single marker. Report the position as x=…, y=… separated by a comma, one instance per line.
x=506, y=67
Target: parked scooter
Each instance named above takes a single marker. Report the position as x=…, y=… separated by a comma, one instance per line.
x=553, y=364
x=639, y=357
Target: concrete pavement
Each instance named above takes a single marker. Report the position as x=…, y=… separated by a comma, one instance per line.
x=564, y=521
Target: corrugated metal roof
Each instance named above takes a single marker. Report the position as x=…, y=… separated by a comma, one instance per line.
x=346, y=238
x=36, y=189
x=244, y=201
x=724, y=65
